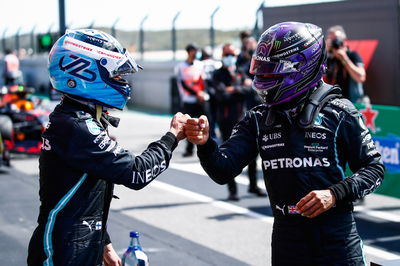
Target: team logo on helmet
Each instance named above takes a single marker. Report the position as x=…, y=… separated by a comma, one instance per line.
x=77, y=67
x=288, y=62
x=277, y=44
x=84, y=60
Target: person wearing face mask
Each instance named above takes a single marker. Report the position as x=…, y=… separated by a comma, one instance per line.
x=249, y=45
x=231, y=91
x=209, y=66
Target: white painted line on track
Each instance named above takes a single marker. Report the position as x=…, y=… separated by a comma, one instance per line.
x=213, y=202
x=378, y=214
x=380, y=253
x=241, y=179
x=197, y=169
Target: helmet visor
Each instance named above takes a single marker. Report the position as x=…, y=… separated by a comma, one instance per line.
x=261, y=65
x=117, y=64
x=127, y=66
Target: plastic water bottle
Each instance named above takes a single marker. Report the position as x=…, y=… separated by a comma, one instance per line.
x=134, y=255
x=129, y=257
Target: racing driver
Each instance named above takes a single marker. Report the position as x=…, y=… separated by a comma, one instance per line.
x=79, y=162
x=306, y=134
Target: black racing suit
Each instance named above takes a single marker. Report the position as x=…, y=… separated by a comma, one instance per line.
x=79, y=164
x=296, y=161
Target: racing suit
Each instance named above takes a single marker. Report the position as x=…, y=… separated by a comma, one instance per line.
x=296, y=161
x=79, y=164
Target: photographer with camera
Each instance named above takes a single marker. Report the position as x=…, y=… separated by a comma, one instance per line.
x=344, y=67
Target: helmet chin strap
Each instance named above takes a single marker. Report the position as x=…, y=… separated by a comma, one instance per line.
x=99, y=111
x=98, y=108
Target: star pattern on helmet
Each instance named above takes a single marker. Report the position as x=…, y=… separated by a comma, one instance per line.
x=289, y=66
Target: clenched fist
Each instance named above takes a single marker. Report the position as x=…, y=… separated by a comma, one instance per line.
x=316, y=202
x=197, y=130
x=177, y=126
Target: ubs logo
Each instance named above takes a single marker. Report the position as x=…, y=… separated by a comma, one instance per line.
x=271, y=136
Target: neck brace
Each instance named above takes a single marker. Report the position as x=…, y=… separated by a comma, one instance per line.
x=315, y=102
x=311, y=106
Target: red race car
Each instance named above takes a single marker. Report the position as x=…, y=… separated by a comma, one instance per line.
x=28, y=118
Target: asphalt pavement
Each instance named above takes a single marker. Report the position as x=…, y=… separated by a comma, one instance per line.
x=182, y=216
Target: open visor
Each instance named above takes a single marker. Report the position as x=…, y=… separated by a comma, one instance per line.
x=261, y=65
x=127, y=66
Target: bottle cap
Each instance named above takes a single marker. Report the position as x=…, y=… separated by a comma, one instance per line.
x=134, y=234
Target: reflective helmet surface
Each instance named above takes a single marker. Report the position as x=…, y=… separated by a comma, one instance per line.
x=90, y=64
x=289, y=61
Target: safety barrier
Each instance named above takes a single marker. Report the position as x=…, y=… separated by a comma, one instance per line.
x=383, y=123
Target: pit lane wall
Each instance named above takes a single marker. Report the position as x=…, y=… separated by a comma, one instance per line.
x=383, y=123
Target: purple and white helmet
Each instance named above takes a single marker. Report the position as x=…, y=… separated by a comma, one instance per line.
x=289, y=61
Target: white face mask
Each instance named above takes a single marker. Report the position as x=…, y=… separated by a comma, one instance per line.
x=198, y=55
x=229, y=60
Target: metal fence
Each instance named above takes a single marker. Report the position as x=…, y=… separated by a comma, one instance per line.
x=139, y=41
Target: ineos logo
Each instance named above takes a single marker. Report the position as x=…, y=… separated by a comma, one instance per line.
x=315, y=135
x=77, y=67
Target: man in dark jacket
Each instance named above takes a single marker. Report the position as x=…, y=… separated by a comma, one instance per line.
x=79, y=162
x=306, y=135
x=231, y=88
x=249, y=45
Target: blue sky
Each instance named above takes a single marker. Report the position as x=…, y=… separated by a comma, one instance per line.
x=23, y=15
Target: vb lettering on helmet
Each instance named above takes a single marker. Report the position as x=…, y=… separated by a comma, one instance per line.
x=91, y=64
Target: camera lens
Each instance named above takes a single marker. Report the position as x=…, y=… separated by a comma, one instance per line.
x=337, y=43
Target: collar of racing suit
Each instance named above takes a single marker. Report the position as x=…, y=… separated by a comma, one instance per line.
x=78, y=106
